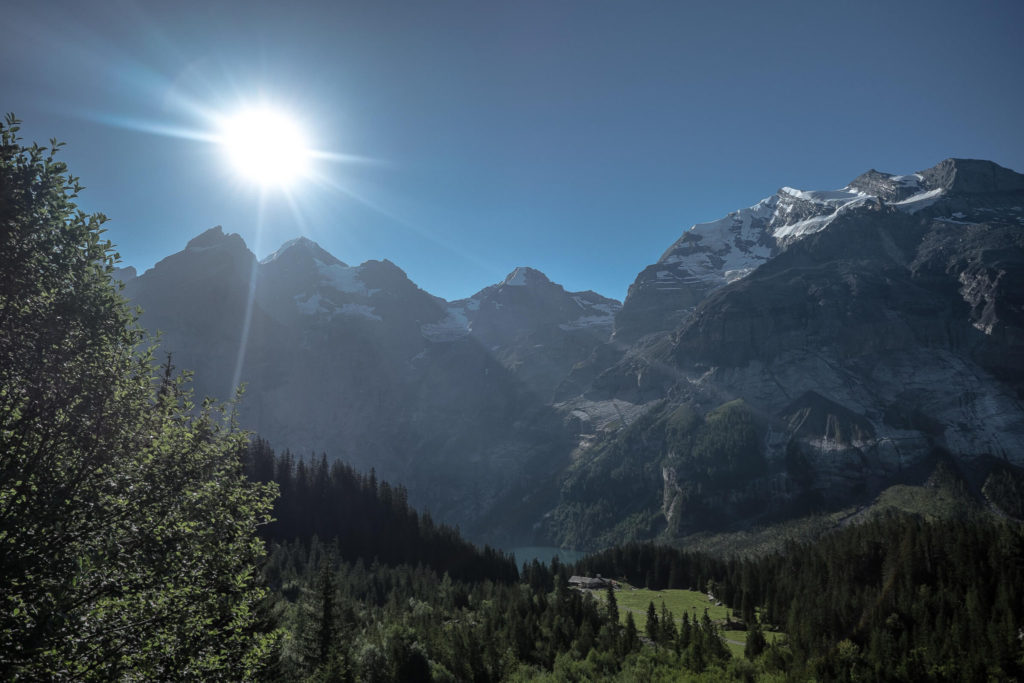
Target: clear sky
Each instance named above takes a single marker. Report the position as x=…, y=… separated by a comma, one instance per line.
x=580, y=138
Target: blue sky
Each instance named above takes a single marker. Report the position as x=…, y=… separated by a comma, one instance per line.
x=580, y=138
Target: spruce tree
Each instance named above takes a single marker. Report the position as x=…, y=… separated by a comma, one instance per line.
x=612, y=609
x=756, y=642
x=320, y=622
x=668, y=631
x=630, y=640
x=653, y=629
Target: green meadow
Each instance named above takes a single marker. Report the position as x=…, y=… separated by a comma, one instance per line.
x=679, y=602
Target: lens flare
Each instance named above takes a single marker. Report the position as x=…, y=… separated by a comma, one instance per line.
x=266, y=146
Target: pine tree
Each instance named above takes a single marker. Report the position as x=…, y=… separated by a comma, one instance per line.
x=612, y=608
x=684, y=637
x=320, y=623
x=755, y=641
x=668, y=632
x=653, y=629
x=630, y=640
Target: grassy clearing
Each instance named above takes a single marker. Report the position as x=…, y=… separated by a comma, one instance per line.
x=679, y=602
x=737, y=640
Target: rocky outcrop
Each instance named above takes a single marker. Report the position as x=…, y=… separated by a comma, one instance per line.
x=803, y=352
x=538, y=331
x=449, y=399
x=876, y=327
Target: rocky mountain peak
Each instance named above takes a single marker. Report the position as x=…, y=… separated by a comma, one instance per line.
x=385, y=275
x=886, y=186
x=709, y=256
x=126, y=274
x=524, y=276
x=215, y=237
x=973, y=176
x=301, y=250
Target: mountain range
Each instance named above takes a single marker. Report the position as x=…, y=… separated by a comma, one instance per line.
x=795, y=356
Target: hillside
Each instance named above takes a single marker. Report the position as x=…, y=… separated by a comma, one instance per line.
x=796, y=357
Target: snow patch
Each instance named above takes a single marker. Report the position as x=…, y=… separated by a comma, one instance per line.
x=834, y=198
x=311, y=306
x=733, y=275
x=359, y=311
x=732, y=247
x=517, y=278
x=315, y=305
x=731, y=243
x=280, y=250
x=600, y=309
x=455, y=325
x=921, y=200
x=914, y=179
x=342, y=278
x=831, y=202
x=804, y=227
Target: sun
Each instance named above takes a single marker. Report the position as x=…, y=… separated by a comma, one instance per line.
x=266, y=146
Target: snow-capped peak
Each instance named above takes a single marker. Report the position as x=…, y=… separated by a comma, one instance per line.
x=303, y=245
x=523, y=275
x=721, y=251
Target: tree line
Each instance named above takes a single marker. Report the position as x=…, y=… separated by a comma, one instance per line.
x=366, y=518
x=898, y=597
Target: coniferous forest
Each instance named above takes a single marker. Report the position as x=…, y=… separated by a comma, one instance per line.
x=894, y=598
x=143, y=536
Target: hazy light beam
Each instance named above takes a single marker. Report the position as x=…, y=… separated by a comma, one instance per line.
x=243, y=342
x=154, y=128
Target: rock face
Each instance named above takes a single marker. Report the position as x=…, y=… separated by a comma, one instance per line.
x=533, y=327
x=450, y=399
x=795, y=355
x=711, y=255
x=867, y=330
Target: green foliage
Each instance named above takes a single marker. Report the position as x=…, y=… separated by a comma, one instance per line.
x=616, y=491
x=897, y=597
x=651, y=626
x=756, y=642
x=681, y=423
x=366, y=517
x=127, y=530
x=612, y=606
x=406, y=623
x=1004, y=487
x=726, y=446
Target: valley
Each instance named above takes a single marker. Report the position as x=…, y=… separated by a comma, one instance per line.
x=511, y=342
x=814, y=475
x=791, y=359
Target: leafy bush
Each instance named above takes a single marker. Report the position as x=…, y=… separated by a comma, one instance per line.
x=127, y=530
